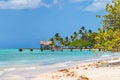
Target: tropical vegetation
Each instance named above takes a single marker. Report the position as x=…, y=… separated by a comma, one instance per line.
x=106, y=39
x=78, y=39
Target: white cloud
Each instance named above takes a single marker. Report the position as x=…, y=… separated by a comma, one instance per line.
x=22, y=4
x=97, y=5
x=56, y=1
x=76, y=1
x=30, y=4
x=59, y=3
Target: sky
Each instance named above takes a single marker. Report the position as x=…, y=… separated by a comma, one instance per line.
x=23, y=23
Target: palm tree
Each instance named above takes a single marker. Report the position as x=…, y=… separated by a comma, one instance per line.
x=84, y=37
x=53, y=42
x=86, y=31
x=66, y=41
x=61, y=42
x=57, y=37
x=89, y=31
x=52, y=39
x=80, y=33
x=75, y=35
x=83, y=28
x=71, y=38
x=83, y=34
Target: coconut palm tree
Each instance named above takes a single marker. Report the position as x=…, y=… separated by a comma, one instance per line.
x=89, y=31
x=61, y=41
x=66, y=41
x=57, y=37
x=75, y=35
x=83, y=28
x=80, y=33
x=53, y=42
x=71, y=38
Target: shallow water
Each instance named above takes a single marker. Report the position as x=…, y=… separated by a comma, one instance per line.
x=13, y=62
x=10, y=57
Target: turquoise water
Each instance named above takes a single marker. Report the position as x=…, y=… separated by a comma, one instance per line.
x=12, y=57
x=9, y=57
x=26, y=63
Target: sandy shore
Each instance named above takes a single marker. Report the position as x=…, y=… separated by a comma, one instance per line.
x=100, y=70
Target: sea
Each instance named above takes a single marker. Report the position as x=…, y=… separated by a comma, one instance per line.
x=26, y=62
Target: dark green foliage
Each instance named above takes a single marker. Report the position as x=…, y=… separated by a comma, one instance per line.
x=82, y=38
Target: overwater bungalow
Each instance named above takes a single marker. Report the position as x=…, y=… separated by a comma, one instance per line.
x=46, y=45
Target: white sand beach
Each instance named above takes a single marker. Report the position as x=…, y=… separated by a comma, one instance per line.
x=100, y=70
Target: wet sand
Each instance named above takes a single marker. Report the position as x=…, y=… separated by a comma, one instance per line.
x=107, y=69
x=100, y=70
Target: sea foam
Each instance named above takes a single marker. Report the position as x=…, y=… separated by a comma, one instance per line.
x=107, y=55
x=30, y=68
x=63, y=64
x=9, y=69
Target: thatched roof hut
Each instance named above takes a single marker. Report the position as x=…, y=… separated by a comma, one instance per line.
x=45, y=43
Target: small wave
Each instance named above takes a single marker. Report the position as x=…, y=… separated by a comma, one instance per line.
x=106, y=55
x=30, y=68
x=9, y=69
x=113, y=61
x=67, y=62
x=89, y=60
x=63, y=64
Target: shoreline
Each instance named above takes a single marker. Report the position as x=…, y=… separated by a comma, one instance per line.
x=84, y=68
x=64, y=64
x=98, y=70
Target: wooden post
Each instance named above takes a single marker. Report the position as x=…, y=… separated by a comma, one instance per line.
x=62, y=50
x=80, y=49
x=31, y=49
x=89, y=49
x=20, y=50
x=41, y=48
x=52, y=50
x=71, y=49
x=99, y=49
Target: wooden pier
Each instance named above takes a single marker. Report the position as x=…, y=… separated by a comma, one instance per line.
x=30, y=49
